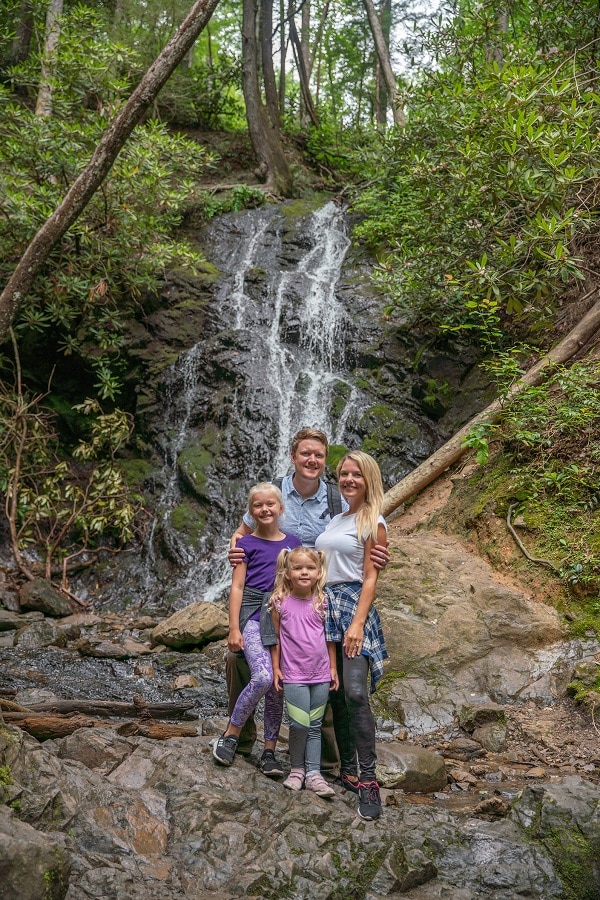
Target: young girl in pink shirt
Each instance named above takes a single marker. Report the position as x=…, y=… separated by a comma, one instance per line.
x=304, y=664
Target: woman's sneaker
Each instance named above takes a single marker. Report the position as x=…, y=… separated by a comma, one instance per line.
x=224, y=749
x=369, y=803
x=318, y=785
x=269, y=766
x=346, y=782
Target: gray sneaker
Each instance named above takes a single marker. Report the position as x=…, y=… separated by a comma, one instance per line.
x=224, y=749
x=369, y=805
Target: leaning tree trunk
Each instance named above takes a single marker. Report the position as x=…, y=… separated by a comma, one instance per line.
x=43, y=106
x=265, y=138
x=266, y=34
x=384, y=60
x=86, y=185
x=453, y=449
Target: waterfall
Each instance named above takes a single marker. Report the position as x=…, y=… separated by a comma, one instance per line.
x=284, y=327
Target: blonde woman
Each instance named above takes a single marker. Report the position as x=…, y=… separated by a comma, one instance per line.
x=353, y=622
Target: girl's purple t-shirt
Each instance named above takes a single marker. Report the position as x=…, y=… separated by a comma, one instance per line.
x=303, y=649
x=261, y=559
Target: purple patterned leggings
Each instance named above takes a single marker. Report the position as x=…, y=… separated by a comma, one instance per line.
x=260, y=685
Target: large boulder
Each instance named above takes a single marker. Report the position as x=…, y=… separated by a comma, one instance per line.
x=41, y=595
x=196, y=624
x=565, y=818
x=457, y=635
x=33, y=865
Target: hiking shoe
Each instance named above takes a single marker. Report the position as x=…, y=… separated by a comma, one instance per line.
x=317, y=783
x=269, y=766
x=369, y=805
x=224, y=749
x=295, y=780
x=346, y=782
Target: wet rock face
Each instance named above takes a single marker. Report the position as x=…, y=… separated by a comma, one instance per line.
x=162, y=819
x=284, y=331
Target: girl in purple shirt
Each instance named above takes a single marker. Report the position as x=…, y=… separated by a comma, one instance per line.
x=250, y=626
x=304, y=664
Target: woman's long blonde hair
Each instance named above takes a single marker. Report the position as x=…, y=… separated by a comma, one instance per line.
x=367, y=517
x=283, y=584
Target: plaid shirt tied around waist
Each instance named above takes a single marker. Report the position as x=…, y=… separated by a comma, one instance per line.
x=342, y=602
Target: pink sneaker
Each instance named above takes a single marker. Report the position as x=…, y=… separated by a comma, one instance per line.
x=317, y=783
x=295, y=780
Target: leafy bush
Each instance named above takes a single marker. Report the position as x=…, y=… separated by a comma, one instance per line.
x=475, y=209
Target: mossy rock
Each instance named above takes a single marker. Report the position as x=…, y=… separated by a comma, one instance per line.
x=136, y=471
x=189, y=519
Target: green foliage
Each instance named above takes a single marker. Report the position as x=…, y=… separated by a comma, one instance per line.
x=475, y=210
x=122, y=242
x=59, y=507
x=551, y=437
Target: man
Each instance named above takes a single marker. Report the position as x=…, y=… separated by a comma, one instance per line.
x=309, y=504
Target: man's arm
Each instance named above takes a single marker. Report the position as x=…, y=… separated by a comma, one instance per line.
x=235, y=554
x=380, y=555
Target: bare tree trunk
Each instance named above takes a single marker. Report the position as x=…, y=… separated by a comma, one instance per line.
x=381, y=94
x=266, y=141
x=266, y=32
x=282, y=57
x=43, y=106
x=316, y=47
x=23, y=33
x=384, y=60
x=85, y=186
x=453, y=449
x=307, y=105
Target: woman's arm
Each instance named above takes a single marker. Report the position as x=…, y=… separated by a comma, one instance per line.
x=353, y=638
x=276, y=653
x=235, y=641
x=335, y=681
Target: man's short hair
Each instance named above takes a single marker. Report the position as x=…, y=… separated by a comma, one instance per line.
x=309, y=434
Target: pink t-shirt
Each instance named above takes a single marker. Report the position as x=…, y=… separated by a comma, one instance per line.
x=303, y=649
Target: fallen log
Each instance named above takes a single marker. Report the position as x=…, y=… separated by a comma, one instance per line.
x=45, y=727
x=453, y=449
x=158, y=731
x=113, y=708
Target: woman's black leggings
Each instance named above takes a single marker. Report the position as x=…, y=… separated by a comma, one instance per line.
x=353, y=720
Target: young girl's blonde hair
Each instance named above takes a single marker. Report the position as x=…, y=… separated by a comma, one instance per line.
x=367, y=517
x=283, y=584
x=265, y=486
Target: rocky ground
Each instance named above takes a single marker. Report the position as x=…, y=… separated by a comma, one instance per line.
x=490, y=771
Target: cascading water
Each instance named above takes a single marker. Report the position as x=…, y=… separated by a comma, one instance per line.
x=278, y=300
x=289, y=334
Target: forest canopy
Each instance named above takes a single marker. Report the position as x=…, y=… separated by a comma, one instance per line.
x=465, y=136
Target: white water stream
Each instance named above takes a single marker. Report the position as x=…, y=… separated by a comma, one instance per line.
x=296, y=380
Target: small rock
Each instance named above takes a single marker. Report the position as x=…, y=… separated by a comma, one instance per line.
x=535, y=772
x=491, y=736
x=472, y=717
x=492, y=808
x=144, y=670
x=185, y=681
